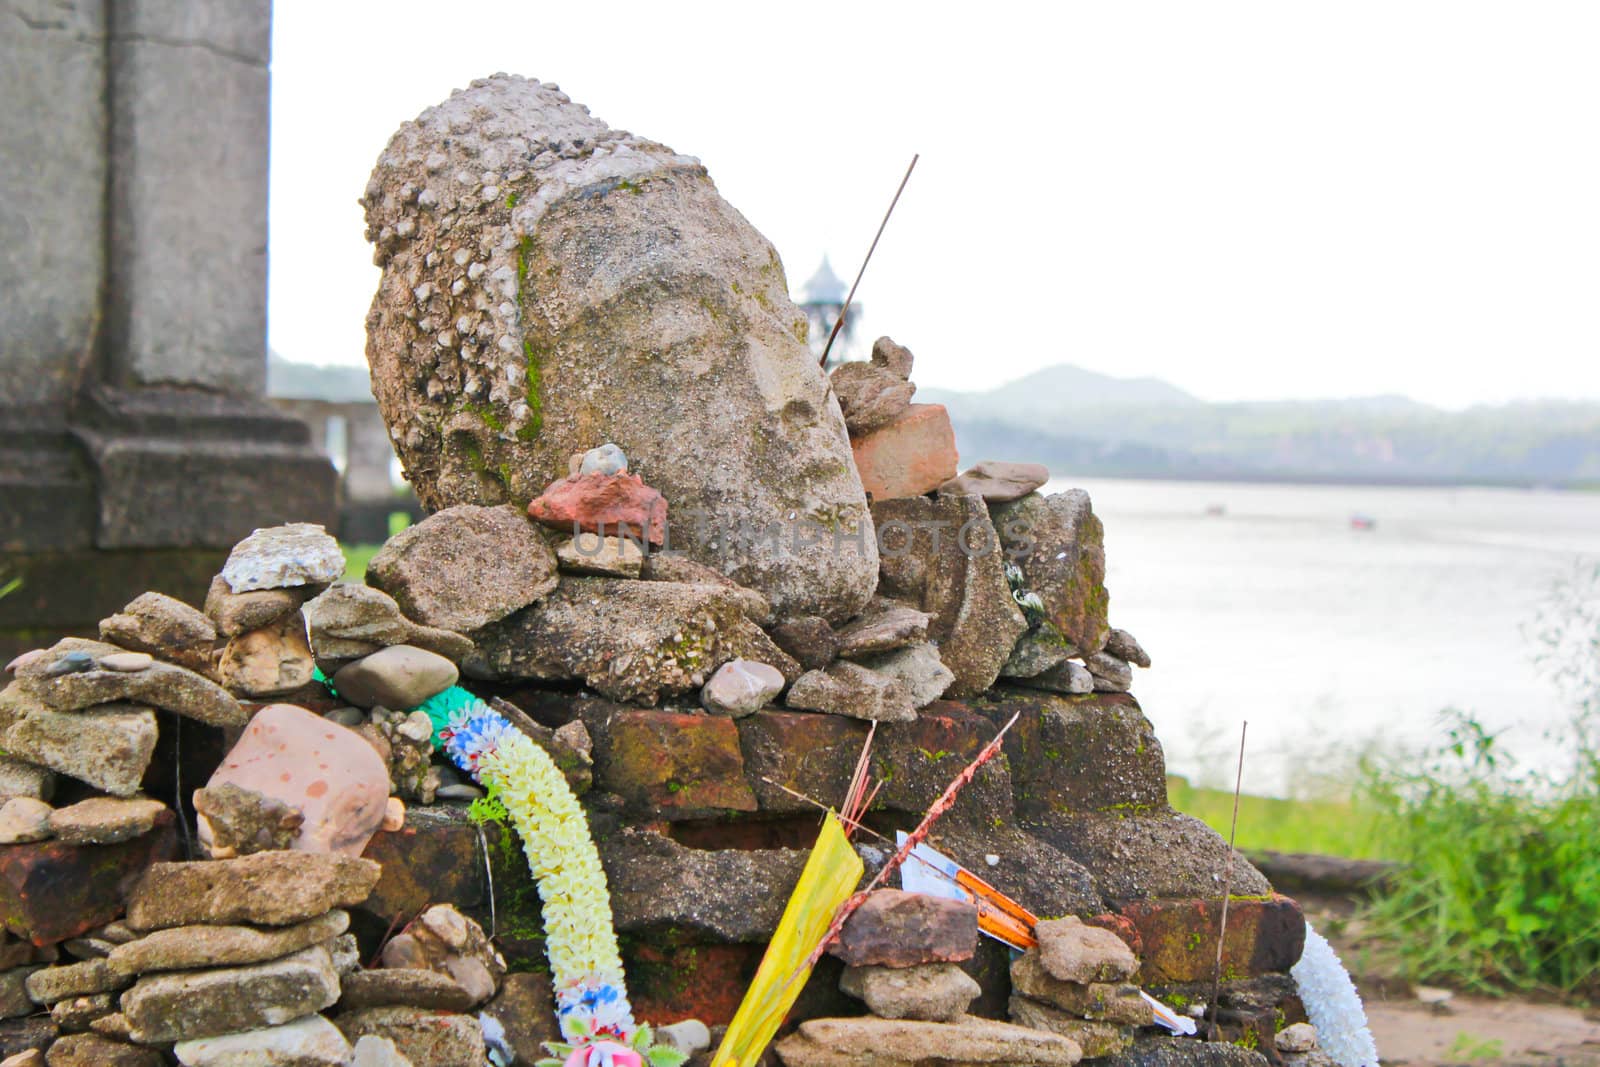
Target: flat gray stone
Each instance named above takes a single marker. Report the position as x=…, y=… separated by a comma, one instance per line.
x=227, y=1000
x=399, y=677
x=932, y=992
x=270, y=888
x=309, y=1042
x=348, y=621
x=161, y=685
x=741, y=687
x=108, y=747
x=105, y=820
x=998, y=482
x=918, y=668
x=187, y=947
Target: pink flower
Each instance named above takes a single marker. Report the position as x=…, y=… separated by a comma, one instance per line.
x=604, y=1054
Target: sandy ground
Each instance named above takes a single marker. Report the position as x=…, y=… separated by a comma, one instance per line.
x=1458, y=1029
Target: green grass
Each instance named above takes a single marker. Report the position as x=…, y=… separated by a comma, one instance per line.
x=356, y=558
x=1327, y=827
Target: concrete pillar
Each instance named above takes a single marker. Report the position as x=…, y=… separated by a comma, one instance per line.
x=135, y=440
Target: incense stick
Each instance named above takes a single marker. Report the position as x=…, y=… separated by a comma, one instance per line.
x=839, y=322
x=1227, y=884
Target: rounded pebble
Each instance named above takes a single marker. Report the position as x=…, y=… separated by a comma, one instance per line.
x=127, y=662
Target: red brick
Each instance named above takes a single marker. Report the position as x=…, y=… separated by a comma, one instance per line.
x=914, y=454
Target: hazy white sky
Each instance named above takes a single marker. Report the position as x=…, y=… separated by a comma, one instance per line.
x=1250, y=200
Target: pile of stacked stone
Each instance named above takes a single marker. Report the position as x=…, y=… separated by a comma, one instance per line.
x=902, y=953
x=698, y=571
x=1077, y=982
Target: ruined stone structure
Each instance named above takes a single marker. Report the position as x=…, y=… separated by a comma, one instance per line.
x=553, y=290
x=134, y=442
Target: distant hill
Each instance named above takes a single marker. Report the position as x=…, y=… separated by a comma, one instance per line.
x=312, y=381
x=1080, y=422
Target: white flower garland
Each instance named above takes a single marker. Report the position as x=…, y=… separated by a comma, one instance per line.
x=1333, y=1004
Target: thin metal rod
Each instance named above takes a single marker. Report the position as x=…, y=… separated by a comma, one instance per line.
x=1227, y=884
x=839, y=322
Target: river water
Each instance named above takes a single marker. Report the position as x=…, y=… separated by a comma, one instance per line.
x=1265, y=603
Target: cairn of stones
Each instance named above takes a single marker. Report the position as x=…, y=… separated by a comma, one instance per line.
x=695, y=569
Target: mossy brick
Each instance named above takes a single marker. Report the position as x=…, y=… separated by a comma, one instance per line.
x=1091, y=752
x=51, y=891
x=1265, y=935
x=670, y=763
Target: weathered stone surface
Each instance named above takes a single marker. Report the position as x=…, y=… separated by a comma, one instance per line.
x=932, y=992
x=1029, y=869
x=526, y=1008
x=20, y=1035
x=1037, y=651
x=163, y=626
x=870, y=396
x=1059, y=544
x=412, y=987
x=161, y=685
x=1160, y=854
x=870, y=1042
x=1111, y=675
x=1179, y=937
x=943, y=556
x=998, y=482
x=50, y=984
x=348, y=621
x=1185, y=1052
x=92, y=1050
x=52, y=891
x=400, y=677
x=234, y=821
x=630, y=641
x=443, y=940
x=371, y=1050
x=914, y=454
x=728, y=895
x=677, y=763
x=1079, y=753
x=1125, y=646
x=19, y=778
x=1296, y=1037
x=617, y=504
x=665, y=566
x=893, y=928
x=917, y=761
x=883, y=627
x=281, y=557
x=24, y=819
x=327, y=773
x=1068, y=677
x=809, y=639
x=850, y=689
x=1111, y=1002
x=226, y=1000
x=309, y=1042
x=892, y=357
x=435, y=857
x=426, y=1038
x=741, y=687
x=686, y=282
x=1095, y=1037
x=813, y=755
x=606, y=557
x=239, y=613
x=187, y=947
x=918, y=668
x=105, y=820
x=109, y=747
x=14, y=999
x=74, y=1014
x=272, y=888
x=1073, y=952
x=465, y=567
x=268, y=662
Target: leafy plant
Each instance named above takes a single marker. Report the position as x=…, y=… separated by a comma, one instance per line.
x=1501, y=888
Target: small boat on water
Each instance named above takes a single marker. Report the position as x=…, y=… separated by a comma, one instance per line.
x=1363, y=522
x=1216, y=511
